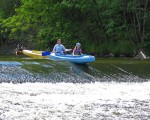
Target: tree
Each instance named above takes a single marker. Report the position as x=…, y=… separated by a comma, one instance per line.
x=102, y=26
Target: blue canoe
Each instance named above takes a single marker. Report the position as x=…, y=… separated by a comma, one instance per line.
x=80, y=59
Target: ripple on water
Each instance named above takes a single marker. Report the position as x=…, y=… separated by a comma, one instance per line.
x=75, y=101
x=20, y=72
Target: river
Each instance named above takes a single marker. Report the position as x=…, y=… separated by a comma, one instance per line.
x=108, y=89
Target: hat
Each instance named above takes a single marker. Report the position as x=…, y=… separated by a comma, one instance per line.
x=78, y=44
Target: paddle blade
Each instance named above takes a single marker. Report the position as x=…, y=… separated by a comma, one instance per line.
x=46, y=53
x=68, y=50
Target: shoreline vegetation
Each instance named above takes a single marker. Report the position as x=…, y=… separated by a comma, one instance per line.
x=10, y=51
x=116, y=28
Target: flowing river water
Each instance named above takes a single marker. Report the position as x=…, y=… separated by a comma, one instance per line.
x=108, y=89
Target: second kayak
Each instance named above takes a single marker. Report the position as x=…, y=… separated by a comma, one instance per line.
x=34, y=54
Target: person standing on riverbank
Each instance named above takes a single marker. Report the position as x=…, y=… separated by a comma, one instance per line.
x=59, y=49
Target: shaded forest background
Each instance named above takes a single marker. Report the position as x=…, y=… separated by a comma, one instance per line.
x=120, y=27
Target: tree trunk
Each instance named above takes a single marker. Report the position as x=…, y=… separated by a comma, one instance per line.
x=100, y=24
x=144, y=21
x=125, y=22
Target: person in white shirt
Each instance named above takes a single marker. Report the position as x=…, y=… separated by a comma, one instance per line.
x=59, y=49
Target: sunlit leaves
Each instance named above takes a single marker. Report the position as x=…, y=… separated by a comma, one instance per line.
x=96, y=23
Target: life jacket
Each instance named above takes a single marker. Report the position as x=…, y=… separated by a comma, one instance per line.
x=59, y=49
x=77, y=51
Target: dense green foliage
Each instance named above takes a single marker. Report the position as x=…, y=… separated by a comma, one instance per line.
x=101, y=26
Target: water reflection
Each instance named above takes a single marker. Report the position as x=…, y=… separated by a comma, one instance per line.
x=53, y=71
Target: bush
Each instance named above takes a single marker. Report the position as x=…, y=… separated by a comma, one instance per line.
x=123, y=47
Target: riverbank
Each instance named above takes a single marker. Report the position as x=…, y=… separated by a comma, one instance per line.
x=7, y=50
x=11, y=50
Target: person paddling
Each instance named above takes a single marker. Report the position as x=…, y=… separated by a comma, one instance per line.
x=59, y=49
x=77, y=50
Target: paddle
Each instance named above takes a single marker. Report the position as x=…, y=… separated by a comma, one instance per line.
x=45, y=53
x=68, y=50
